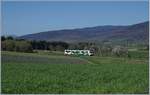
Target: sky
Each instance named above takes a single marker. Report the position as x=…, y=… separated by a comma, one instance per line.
x=21, y=18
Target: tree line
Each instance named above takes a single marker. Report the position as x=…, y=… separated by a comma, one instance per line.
x=11, y=44
x=101, y=49
x=21, y=45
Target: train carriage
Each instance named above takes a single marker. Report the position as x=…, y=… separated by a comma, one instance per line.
x=78, y=52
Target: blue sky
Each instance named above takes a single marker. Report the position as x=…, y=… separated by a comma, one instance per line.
x=20, y=18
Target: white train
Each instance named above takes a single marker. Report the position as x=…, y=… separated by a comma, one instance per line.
x=78, y=52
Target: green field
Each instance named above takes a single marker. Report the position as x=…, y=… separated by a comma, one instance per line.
x=56, y=73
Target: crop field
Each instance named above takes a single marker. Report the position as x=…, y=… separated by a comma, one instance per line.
x=44, y=73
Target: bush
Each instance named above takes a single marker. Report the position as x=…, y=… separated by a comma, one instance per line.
x=12, y=45
x=23, y=46
x=3, y=38
x=120, y=51
x=8, y=45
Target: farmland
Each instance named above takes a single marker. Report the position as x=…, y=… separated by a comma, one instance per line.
x=47, y=72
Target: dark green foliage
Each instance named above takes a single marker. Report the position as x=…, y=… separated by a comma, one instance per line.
x=72, y=46
x=3, y=38
x=8, y=45
x=53, y=46
x=103, y=49
x=19, y=46
x=3, y=47
x=9, y=38
x=23, y=46
x=41, y=45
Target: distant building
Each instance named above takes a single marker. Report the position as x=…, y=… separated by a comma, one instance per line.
x=78, y=52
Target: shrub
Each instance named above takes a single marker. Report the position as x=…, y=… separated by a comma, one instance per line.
x=23, y=46
x=8, y=45
x=120, y=51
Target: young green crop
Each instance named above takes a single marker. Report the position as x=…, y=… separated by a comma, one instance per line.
x=32, y=73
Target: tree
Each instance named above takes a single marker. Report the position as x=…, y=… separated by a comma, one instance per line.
x=60, y=48
x=147, y=47
x=72, y=46
x=10, y=38
x=86, y=48
x=3, y=45
x=34, y=44
x=120, y=51
x=9, y=45
x=3, y=38
x=81, y=45
x=98, y=51
x=23, y=46
x=51, y=48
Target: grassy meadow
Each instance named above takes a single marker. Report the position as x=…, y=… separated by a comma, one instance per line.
x=50, y=72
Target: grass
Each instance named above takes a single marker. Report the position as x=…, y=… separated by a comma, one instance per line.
x=41, y=73
x=139, y=54
x=33, y=58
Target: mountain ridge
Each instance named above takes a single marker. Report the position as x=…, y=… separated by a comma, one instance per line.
x=136, y=32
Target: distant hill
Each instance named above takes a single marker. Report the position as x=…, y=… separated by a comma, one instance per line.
x=132, y=33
